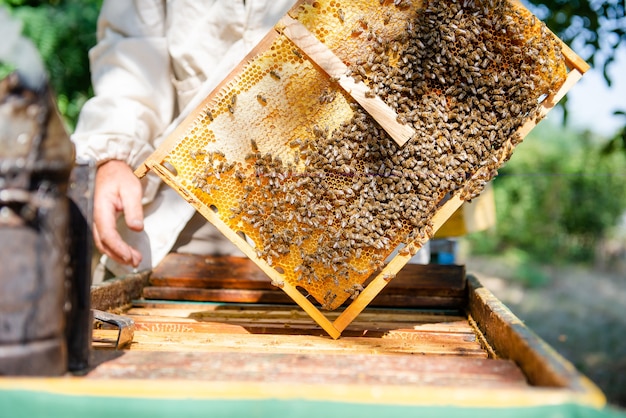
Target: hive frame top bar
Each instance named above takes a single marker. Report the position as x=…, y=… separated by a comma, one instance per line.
x=324, y=59
x=335, y=68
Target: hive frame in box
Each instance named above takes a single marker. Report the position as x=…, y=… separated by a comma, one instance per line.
x=326, y=61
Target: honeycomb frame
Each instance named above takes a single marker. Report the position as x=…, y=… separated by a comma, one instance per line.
x=270, y=154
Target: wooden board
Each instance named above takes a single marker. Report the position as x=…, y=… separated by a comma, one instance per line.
x=263, y=331
x=340, y=369
x=235, y=279
x=118, y=293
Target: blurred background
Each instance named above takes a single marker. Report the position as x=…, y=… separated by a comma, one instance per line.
x=557, y=253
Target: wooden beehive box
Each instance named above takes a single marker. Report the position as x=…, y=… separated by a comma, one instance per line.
x=436, y=344
x=355, y=129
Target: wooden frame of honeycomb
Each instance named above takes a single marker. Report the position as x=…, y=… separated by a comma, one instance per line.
x=355, y=129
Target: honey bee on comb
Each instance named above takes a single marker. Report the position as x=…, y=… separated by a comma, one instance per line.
x=313, y=180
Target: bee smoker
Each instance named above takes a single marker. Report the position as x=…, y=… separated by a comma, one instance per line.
x=44, y=285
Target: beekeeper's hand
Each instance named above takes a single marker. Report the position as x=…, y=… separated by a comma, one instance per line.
x=117, y=191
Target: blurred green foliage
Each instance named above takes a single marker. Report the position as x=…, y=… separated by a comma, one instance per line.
x=63, y=31
x=6, y=69
x=595, y=29
x=556, y=198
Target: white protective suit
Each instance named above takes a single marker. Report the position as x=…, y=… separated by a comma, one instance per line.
x=154, y=62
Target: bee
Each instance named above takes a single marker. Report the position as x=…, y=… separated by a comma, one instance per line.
x=327, y=96
x=209, y=115
x=275, y=75
x=387, y=16
x=261, y=99
x=194, y=154
x=297, y=53
x=277, y=283
x=340, y=15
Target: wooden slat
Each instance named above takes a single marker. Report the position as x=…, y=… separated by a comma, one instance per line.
x=209, y=272
x=408, y=315
x=314, y=368
x=227, y=272
x=335, y=68
x=423, y=344
x=236, y=279
x=117, y=293
x=284, y=320
x=377, y=328
x=295, y=319
x=383, y=299
x=573, y=60
x=383, y=327
x=216, y=295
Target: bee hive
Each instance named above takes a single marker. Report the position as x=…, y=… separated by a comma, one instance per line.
x=355, y=128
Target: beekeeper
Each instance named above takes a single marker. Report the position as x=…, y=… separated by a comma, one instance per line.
x=153, y=63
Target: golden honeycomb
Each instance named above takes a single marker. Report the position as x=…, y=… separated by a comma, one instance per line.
x=284, y=155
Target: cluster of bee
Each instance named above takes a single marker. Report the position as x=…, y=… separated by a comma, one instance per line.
x=467, y=78
x=466, y=75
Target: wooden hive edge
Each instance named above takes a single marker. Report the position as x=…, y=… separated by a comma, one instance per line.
x=509, y=338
